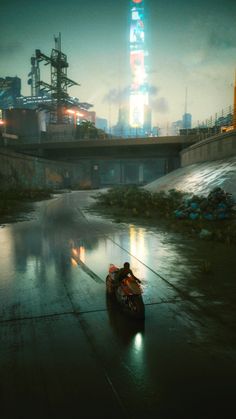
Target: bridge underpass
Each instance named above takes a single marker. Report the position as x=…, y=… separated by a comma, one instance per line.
x=106, y=172
x=112, y=162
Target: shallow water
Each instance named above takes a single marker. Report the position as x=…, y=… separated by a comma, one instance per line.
x=63, y=341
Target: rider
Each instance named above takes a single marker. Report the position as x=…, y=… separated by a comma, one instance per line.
x=123, y=272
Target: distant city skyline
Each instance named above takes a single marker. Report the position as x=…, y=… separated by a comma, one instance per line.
x=190, y=44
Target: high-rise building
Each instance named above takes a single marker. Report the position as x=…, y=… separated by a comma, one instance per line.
x=187, y=121
x=138, y=101
x=176, y=126
x=101, y=123
x=187, y=117
x=10, y=88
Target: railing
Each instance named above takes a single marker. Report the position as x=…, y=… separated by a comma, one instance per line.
x=222, y=121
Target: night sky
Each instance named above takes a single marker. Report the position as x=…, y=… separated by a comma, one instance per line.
x=190, y=44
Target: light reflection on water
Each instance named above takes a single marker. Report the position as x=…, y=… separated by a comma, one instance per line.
x=51, y=248
x=135, y=356
x=61, y=258
x=138, y=341
x=138, y=247
x=6, y=244
x=32, y=250
x=82, y=253
x=77, y=254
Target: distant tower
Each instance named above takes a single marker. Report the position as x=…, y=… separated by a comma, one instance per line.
x=34, y=77
x=187, y=121
x=187, y=117
x=186, y=100
x=138, y=88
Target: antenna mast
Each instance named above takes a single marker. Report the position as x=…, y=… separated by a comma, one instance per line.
x=186, y=100
x=59, y=80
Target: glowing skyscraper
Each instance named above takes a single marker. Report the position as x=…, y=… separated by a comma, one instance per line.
x=138, y=88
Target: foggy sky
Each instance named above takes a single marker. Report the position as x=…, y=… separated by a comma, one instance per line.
x=190, y=44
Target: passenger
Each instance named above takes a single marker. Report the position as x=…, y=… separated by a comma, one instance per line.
x=124, y=272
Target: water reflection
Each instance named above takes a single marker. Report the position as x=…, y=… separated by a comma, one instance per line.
x=78, y=254
x=73, y=262
x=39, y=248
x=82, y=253
x=129, y=331
x=6, y=244
x=138, y=341
x=53, y=247
x=138, y=247
x=54, y=244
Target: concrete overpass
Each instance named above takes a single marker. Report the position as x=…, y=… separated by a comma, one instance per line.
x=104, y=163
x=134, y=148
x=113, y=161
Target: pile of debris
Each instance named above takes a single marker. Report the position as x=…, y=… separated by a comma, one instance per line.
x=218, y=205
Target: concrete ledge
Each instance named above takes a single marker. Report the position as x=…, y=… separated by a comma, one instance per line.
x=214, y=148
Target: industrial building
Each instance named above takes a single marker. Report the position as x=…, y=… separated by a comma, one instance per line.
x=49, y=113
x=10, y=89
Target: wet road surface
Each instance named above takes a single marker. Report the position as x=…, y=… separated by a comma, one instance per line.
x=67, y=351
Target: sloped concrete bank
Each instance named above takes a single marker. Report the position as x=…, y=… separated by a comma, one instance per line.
x=200, y=178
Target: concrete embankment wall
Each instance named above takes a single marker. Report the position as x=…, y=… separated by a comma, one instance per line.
x=18, y=170
x=214, y=148
x=200, y=178
x=205, y=165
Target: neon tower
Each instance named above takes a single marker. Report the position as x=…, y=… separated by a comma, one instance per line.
x=138, y=88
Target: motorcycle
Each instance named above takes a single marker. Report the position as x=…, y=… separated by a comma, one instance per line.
x=128, y=293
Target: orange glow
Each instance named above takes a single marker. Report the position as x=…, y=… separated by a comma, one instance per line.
x=82, y=253
x=73, y=262
x=2, y=122
x=72, y=112
x=75, y=251
x=78, y=254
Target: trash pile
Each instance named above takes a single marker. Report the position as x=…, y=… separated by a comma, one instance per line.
x=218, y=205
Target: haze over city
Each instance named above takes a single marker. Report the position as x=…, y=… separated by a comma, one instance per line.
x=190, y=44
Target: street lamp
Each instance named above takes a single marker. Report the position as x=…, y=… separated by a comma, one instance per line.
x=75, y=114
